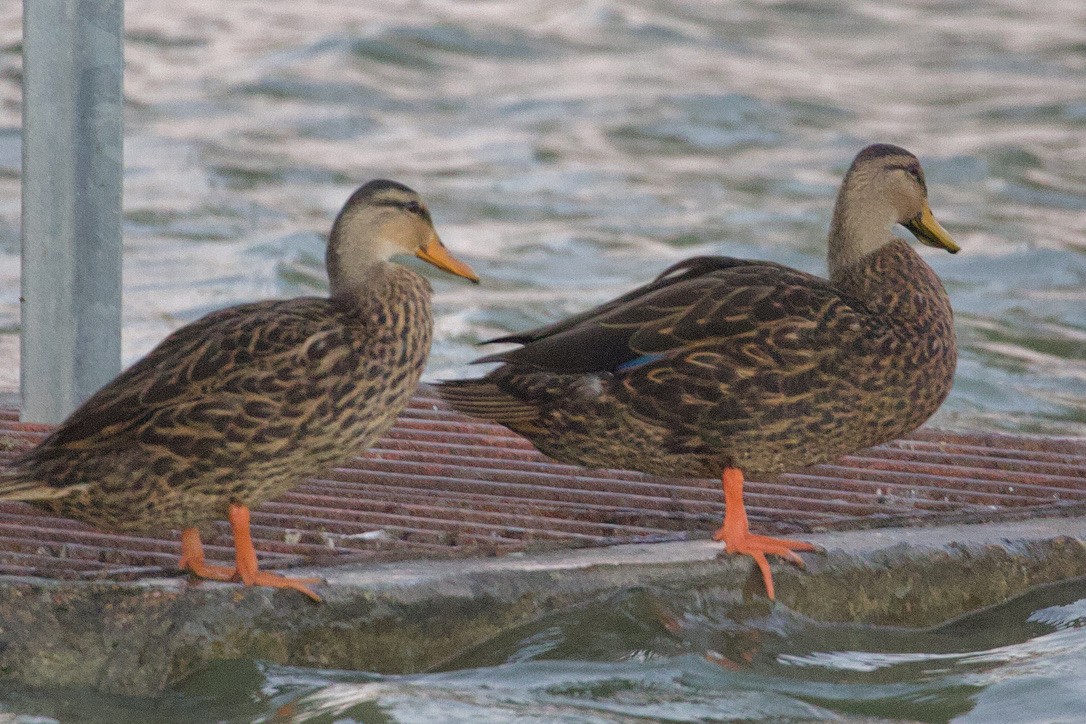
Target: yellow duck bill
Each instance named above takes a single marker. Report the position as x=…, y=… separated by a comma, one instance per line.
x=929, y=231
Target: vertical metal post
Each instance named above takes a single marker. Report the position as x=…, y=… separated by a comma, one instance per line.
x=71, y=234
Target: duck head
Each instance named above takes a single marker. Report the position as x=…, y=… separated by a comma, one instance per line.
x=381, y=220
x=884, y=186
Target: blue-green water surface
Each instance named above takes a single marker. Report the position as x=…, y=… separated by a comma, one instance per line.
x=570, y=150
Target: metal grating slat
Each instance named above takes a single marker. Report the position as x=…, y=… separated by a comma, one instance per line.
x=440, y=484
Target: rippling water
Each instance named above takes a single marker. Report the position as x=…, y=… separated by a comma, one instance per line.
x=570, y=150
x=647, y=655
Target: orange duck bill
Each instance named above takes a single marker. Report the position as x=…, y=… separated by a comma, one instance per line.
x=434, y=252
x=247, y=570
x=737, y=538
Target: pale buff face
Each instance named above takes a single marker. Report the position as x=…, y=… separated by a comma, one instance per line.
x=381, y=220
x=884, y=186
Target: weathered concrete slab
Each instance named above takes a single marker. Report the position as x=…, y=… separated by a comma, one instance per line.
x=137, y=637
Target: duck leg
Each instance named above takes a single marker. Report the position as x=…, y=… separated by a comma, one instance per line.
x=192, y=558
x=245, y=554
x=735, y=532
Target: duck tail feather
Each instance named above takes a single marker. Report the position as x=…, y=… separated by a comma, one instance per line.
x=17, y=486
x=486, y=400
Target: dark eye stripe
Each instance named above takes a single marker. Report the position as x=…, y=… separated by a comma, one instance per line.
x=411, y=207
x=913, y=170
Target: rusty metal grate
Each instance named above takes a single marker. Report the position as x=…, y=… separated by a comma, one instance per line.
x=441, y=484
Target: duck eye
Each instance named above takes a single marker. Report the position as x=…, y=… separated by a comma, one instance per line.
x=414, y=207
x=918, y=176
x=914, y=171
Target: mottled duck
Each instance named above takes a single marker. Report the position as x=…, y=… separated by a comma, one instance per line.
x=246, y=402
x=724, y=365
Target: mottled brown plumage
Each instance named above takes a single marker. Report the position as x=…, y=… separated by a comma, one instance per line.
x=239, y=406
x=725, y=363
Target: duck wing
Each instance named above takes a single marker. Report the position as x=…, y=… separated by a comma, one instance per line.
x=235, y=362
x=676, y=273
x=698, y=304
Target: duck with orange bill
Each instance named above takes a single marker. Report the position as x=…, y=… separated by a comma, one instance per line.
x=243, y=404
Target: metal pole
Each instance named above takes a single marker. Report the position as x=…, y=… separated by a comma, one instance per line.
x=72, y=166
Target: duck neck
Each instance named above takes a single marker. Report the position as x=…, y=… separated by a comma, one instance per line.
x=861, y=225
x=383, y=281
x=357, y=280
x=352, y=266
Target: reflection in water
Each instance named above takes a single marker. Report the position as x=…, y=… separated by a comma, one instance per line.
x=578, y=148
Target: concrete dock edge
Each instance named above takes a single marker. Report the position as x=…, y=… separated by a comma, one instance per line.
x=138, y=638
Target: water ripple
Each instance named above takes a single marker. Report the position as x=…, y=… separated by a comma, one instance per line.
x=572, y=150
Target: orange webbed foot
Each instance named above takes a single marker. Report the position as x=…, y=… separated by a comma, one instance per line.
x=248, y=572
x=738, y=539
x=275, y=580
x=759, y=546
